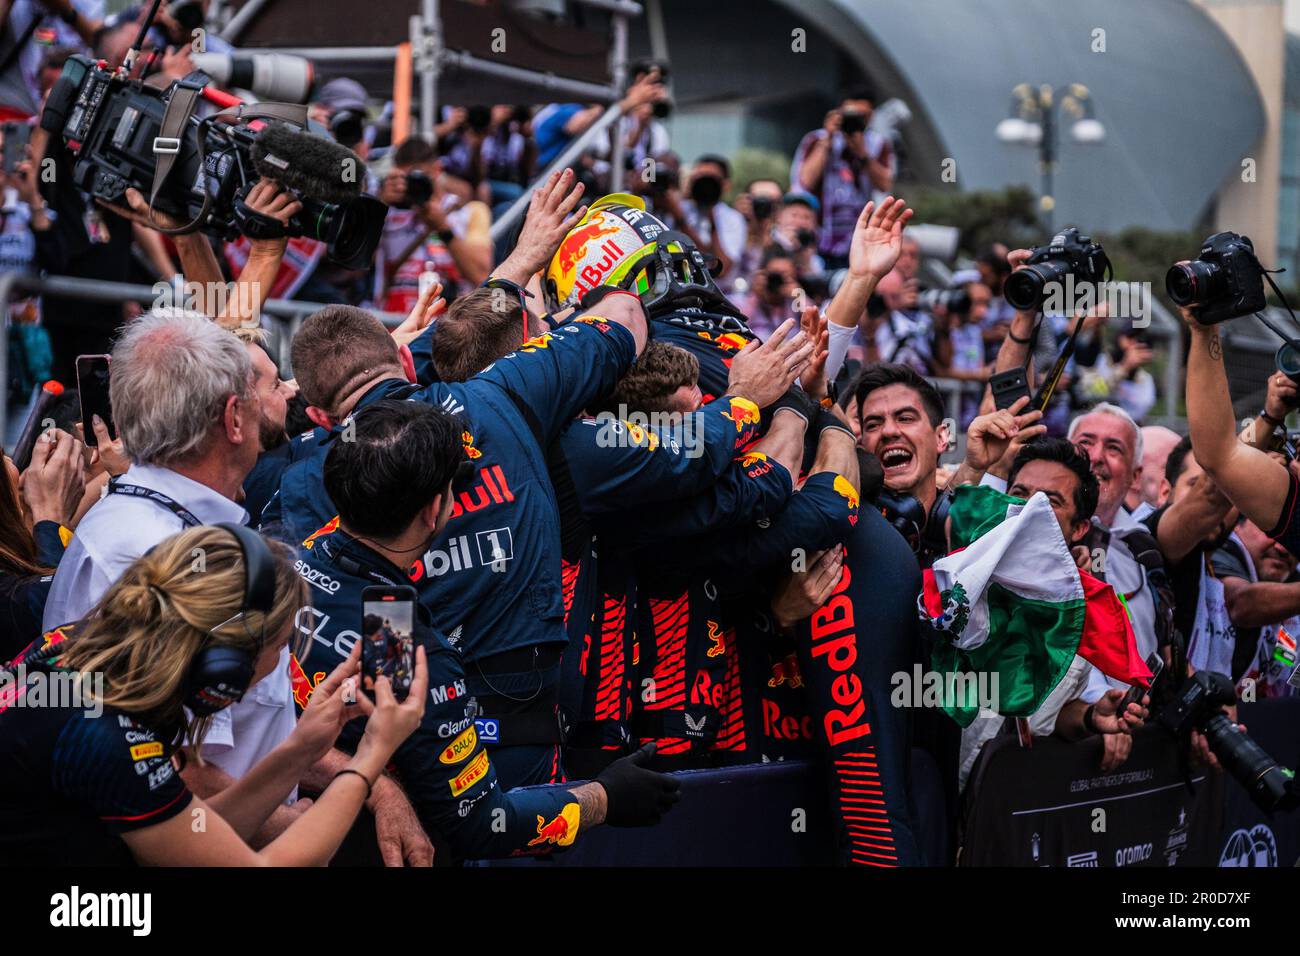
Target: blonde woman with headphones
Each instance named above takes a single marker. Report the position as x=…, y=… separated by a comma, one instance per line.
x=93, y=717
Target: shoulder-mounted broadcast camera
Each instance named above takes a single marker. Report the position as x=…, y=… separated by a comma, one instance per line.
x=125, y=134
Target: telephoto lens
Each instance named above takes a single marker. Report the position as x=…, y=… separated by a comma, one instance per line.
x=1288, y=362
x=1246, y=762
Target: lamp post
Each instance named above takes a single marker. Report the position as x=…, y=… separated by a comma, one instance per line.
x=1033, y=120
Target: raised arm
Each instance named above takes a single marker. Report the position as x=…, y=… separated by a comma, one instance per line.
x=1255, y=483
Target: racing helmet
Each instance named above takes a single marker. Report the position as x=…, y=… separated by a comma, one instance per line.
x=619, y=244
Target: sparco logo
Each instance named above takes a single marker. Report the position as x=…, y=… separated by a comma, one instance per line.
x=317, y=579
x=1133, y=854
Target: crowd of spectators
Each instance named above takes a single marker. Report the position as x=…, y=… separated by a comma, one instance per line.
x=467, y=452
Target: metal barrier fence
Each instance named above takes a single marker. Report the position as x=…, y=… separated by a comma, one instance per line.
x=283, y=316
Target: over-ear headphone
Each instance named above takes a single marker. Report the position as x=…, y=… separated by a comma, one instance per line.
x=220, y=675
x=925, y=532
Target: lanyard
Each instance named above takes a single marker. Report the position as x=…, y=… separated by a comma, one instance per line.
x=158, y=498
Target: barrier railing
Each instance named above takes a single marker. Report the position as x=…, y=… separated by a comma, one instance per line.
x=283, y=316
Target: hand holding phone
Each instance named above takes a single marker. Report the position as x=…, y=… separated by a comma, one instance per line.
x=388, y=637
x=1155, y=663
x=92, y=387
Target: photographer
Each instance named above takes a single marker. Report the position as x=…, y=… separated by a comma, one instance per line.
x=1262, y=594
x=427, y=228
x=796, y=231
x=556, y=125
x=844, y=165
x=771, y=289
x=100, y=786
x=759, y=204
x=393, y=487
x=65, y=23
x=1120, y=373
x=716, y=228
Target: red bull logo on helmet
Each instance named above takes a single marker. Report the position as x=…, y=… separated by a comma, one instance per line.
x=574, y=246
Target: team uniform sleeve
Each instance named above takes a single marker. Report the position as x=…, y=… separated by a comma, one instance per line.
x=558, y=374
x=422, y=355
x=119, y=770
x=752, y=488
x=448, y=775
x=615, y=461
x=820, y=515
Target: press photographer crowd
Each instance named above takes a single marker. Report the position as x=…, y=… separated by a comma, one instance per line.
x=659, y=482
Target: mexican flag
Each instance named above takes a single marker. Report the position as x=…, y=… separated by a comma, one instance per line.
x=1014, y=607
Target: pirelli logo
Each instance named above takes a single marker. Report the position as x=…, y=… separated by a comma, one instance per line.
x=472, y=774
x=145, y=751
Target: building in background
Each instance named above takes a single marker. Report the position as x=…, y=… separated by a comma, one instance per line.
x=1172, y=82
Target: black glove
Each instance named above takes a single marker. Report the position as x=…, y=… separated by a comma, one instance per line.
x=796, y=400
x=635, y=796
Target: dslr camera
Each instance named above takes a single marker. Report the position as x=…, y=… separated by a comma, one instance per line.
x=953, y=300
x=1199, y=705
x=1224, y=282
x=1068, y=254
x=113, y=127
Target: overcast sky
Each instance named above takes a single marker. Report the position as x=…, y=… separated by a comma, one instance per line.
x=1292, y=15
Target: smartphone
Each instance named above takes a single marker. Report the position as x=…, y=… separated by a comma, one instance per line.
x=92, y=386
x=1009, y=387
x=16, y=137
x=1155, y=664
x=387, y=637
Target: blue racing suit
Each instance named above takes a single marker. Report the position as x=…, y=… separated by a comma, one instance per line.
x=443, y=766
x=491, y=581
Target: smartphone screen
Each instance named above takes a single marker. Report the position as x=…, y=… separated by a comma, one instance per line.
x=92, y=386
x=16, y=137
x=387, y=637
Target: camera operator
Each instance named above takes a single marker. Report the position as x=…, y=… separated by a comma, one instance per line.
x=958, y=347
x=795, y=231
x=393, y=486
x=98, y=785
x=771, y=290
x=714, y=227
x=427, y=228
x=759, y=204
x=558, y=124
x=843, y=164
x=1120, y=374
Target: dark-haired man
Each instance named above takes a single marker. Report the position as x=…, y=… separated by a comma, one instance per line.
x=903, y=426
x=392, y=484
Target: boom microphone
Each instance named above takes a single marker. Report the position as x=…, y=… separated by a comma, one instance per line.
x=309, y=165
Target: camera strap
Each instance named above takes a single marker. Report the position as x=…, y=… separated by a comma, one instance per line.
x=1044, y=394
x=167, y=146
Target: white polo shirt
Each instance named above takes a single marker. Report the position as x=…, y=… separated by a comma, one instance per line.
x=120, y=528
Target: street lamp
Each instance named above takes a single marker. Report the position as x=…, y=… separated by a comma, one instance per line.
x=1033, y=121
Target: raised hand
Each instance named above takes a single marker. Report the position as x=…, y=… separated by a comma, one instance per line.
x=878, y=237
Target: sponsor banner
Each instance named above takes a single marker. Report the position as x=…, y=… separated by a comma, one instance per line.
x=1051, y=805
